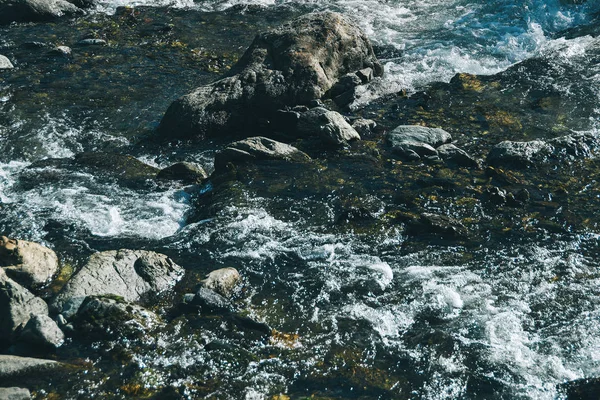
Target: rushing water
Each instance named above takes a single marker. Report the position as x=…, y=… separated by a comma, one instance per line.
x=370, y=319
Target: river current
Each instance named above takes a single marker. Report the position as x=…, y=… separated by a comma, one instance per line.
x=491, y=321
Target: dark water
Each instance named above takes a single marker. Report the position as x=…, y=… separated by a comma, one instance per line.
x=362, y=307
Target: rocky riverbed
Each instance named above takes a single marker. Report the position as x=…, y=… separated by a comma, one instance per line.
x=235, y=204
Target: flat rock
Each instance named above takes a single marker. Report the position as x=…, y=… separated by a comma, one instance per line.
x=329, y=125
x=5, y=63
x=26, y=262
x=15, y=365
x=130, y=274
x=223, y=281
x=17, y=305
x=434, y=137
x=14, y=393
x=35, y=10
x=293, y=64
x=258, y=148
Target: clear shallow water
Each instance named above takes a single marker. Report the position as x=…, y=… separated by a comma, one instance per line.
x=508, y=319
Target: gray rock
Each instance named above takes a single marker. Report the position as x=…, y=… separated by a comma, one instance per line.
x=578, y=145
x=60, y=51
x=223, y=281
x=453, y=155
x=258, y=148
x=130, y=274
x=104, y=317
x=416, y=142
x=41, y=330
x=26, y=262
x=14, y=393
x=518, y=154
x=364, y=126
x=329, y=125
x=35, y=10
x=5, y=63
x=290, y=65
x=92, y=42
x=14, y=365
x=183, y=171
x=434, y=137
x=17, y=305
x=210, y=302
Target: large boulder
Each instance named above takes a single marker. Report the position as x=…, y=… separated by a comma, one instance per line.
x=223, y=281
x=35, y=10
x=130, y=274
x=290, y=65
x=26, y=262
x=17, y=305
x=258, y=148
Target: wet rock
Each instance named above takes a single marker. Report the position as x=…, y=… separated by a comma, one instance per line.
x=5, y=63
x=456, y=156
x=92, y=42
x=258, y=148
x=581, y=145
x=364, y=127
x=581, y=389
x=14, y=393
x=518, y=154
x=61, y=51
x=109, y=317
x=122, y=166
x=17, y=305
x=210, y=302
x=223, y=281
x=416, y=142
x=130, y=274
x=42, y=331
x=14, y=365
x=183, y=171
x=84, y=4
x=329, y=125
x=294, y=64
x=35, y=10
x=26, y=262
x=429, y=223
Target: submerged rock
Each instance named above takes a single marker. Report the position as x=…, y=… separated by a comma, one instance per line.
x=453, y=155
x=210, y=302
x=329, y=125
x=17, y=305
x=258, y=148
x=222, y=281
x=35, y=10
x=14, y=393
x=5, y=63
x=26, y=262
x=447, y=227
x=130, y=274
x=61, y=51
x=294, y=64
